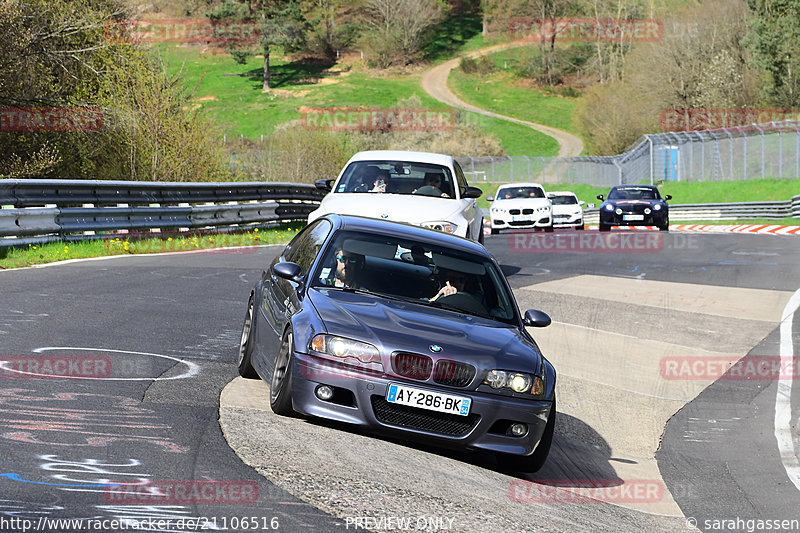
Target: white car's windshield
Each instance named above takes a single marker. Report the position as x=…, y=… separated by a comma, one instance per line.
x=429, y=275
x=396, y=177
x=564, y=200
x=508, y=193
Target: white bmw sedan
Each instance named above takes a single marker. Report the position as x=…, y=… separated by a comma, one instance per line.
x=418, y=188
x=521, y=206
x=567, y=209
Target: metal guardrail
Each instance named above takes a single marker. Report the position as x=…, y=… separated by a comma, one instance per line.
x=725, y=211
x=38, y=211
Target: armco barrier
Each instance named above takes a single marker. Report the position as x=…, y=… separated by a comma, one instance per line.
x=38, y=211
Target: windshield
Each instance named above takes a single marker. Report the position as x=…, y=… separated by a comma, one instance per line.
x=638, y=193
x=507, y=193
x=563, y=200
x=396, y=177
x=423, y=274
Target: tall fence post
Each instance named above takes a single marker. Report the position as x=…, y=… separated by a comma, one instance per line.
x=652, y=156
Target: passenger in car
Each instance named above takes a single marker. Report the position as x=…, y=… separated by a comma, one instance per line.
x=432, y=185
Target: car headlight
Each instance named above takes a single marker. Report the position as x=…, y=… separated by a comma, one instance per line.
x=345, y=348
x=609, y=207
x=516, y=381
x=498, y=210
x=543, y=209
x=657, y=207
x=647, y=211
x=447, y=227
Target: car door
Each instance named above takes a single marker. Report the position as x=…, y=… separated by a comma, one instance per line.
x=280, y=297
x=469, y=206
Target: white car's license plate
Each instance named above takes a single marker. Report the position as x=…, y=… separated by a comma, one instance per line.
x=433, y=401
x=632, y=217
x=521, y=218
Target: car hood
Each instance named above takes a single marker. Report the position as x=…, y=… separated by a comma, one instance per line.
x=393, y=325
x=521, y=203
x=566, y=209
x=413, y=209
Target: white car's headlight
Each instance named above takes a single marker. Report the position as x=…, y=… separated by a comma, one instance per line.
x=447, y=227
x=344, y=348
x=499, y=210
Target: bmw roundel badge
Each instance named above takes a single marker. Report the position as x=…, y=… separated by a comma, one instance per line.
x=384, y=215
x=435, y=348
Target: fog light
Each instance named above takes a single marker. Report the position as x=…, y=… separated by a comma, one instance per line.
x=518, y=430
x=324, y=393
x=618, y=211
x=646, y=210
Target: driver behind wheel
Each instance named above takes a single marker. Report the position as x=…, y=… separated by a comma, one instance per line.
x=454, y=282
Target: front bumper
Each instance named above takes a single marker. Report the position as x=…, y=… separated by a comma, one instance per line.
x=521, y=221
x=360, y=400
x=567, y=221
x=610, y=218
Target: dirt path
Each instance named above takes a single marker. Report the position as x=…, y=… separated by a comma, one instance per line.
x=434, y=81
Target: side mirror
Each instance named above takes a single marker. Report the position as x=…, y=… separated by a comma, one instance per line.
x=581, y=202
x=668, y=197
x=536, y=319
x=288, y=271
x=600, y=197
x=471, y=192
x=490, y=198
x=325, y=185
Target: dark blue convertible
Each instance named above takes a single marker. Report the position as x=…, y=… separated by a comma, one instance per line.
x=407, y=331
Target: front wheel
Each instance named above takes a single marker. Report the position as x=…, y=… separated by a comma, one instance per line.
x=481, y=236
x=280, y=390
x=604, y=227
x=246, y=369
x=664, y=227
x=535, y=461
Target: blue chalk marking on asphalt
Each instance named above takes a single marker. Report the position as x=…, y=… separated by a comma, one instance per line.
x=15, y=477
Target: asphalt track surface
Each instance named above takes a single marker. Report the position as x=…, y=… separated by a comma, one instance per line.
x=170, y=325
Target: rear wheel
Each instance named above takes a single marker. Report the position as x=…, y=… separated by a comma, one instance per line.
x=280, y=390
x=246, y=369
x=535, y=461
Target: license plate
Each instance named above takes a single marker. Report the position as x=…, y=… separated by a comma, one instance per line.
x=632, y=217
x=521, y=218
x=433, y=401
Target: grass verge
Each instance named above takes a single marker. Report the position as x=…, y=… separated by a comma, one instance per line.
x=132, y=244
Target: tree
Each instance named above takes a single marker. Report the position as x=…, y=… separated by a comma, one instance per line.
x=399, y=28
x=774, y=40
x=280, y=23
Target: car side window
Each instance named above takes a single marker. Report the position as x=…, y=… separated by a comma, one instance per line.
x=462, y=181
x=304, y=247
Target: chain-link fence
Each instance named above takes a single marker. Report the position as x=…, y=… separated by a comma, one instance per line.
x=769, y=150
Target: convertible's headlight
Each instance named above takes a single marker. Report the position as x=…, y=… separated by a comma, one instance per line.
x=345, y=348
x=516, y=381
x=657, y=207
x=447, y=227
x=609, y=207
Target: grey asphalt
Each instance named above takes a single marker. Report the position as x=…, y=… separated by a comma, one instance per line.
x=191, y=307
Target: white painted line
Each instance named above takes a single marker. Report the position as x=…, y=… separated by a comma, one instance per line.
x=192, y=370
x=783, y=399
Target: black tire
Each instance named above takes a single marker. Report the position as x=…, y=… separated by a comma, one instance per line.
x=604, y=227
x=665, y=227
x=280, y=389
x=580, y=228
x=246, y=369
x=534, y=462
x=495, y=231
x=481, y=236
